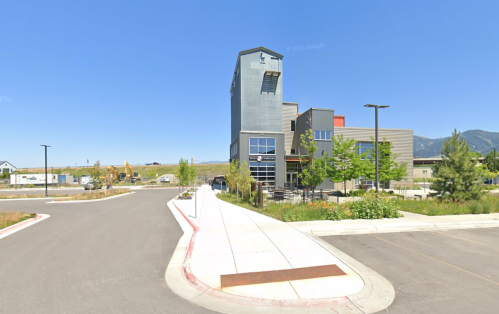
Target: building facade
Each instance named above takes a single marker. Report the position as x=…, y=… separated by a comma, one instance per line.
x=266, y=132
x=7, y=167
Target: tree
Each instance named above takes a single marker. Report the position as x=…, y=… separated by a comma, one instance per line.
x=345, y=164
x=388, y=168
x=183, y=172
x=489, y=161
x=96, y=172
x=313, y=169
x=457, y=177
x=232, y=175
x=245, y=180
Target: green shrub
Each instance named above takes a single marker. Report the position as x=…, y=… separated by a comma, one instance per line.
x=374, y=208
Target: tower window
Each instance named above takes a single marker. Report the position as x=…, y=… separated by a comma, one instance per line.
x=293, y=125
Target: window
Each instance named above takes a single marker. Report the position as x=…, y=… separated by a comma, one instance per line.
x=293, y=125
x=233, y=150
x=365, y=147
x=322, y=135
x=293, y=151
x=263, y=172
x=262, y=59
x=262, y=146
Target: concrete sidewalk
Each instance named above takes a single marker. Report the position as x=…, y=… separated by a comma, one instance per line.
x=228, y=239
x=410, y=222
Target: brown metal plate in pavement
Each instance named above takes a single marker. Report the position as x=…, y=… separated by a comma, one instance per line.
x=280, y=275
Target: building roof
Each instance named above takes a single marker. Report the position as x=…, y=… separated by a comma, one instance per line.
x=4, y=161
x=245, y=52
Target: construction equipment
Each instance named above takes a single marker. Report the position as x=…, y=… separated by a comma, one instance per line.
x=115, y=175
x=130, y=175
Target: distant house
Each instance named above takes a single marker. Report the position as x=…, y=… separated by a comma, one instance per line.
x=7, y=167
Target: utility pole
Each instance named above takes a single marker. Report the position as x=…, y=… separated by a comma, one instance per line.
x=46, y=189
x=495, y=167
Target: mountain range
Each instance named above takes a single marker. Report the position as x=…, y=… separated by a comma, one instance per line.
x=478, y=141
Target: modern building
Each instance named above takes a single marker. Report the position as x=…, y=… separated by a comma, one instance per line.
x=7, y=167
x=265, y=131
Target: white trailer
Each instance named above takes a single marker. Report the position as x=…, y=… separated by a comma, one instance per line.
x=35, y=179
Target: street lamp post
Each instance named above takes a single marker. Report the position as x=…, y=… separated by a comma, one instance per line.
x=376, y=141
x=46, y=190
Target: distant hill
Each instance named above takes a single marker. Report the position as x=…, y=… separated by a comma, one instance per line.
x=478, y=140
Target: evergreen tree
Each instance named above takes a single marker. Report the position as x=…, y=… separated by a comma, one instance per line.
x=345, y=164
x=457, y=177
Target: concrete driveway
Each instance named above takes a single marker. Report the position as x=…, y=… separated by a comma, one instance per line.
x=99, y=257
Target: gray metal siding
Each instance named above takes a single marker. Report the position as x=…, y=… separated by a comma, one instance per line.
x=289, y=113
x=259, y=112
x=401, y=139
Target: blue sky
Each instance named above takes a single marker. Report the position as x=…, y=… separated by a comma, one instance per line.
x=149, y=81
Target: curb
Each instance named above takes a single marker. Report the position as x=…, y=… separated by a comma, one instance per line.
x=26, y=199
x=182, y=281
x=332, y=231
x=5, y=232
x=88, y=201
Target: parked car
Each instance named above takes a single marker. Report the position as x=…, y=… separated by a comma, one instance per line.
x=156, y=163
x=92, y=185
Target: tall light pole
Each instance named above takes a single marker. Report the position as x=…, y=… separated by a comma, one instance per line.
x=376, y=141
x=495, y=168
x=46, y=190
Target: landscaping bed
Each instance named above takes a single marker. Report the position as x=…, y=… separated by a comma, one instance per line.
x=93, y=195
x=433, y=207
x=9, y=218
x=366, y=208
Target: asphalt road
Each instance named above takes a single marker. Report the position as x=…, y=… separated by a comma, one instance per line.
x=98, y=257
x=433, y=272
x=42, y=191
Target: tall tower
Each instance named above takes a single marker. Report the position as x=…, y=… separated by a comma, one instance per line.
x=256, y=114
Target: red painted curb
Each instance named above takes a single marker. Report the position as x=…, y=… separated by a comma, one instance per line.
x=248, y=301
x=19, y=224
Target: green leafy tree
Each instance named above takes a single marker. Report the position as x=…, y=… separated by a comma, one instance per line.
x=232, y=175
x=245, y=180
x=313, y=169
x=489, y=162
x=183, y=172
x=388, y=168
x=457, y=177
x=345, y=164
x=96, y=173
x=192, y=174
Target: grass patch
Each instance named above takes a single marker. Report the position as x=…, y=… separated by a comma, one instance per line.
x=15, y=196
x=93, y=195
x=487, y=204
x=9, y=218
x=366, y=208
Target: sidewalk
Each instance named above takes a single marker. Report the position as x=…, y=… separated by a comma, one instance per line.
x=410, y=222
x=228, y=240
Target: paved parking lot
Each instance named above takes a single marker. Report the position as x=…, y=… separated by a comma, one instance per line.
x=433, y=272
